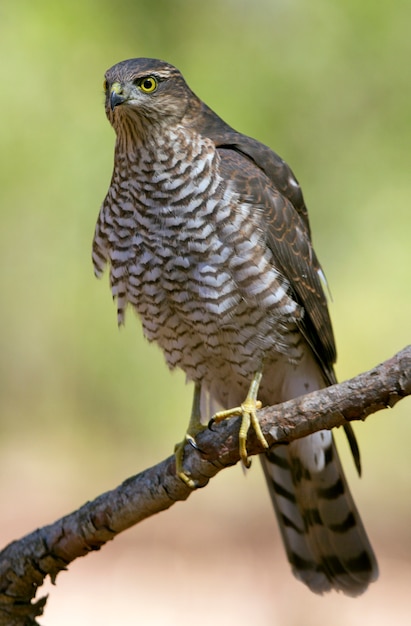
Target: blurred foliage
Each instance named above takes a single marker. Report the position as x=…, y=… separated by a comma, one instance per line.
x=325, y=83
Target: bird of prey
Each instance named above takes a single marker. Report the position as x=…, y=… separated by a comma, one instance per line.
x=207, y=237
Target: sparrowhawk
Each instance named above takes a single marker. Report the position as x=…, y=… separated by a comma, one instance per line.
x=207, y=236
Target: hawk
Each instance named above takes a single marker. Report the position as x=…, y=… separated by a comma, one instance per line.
x=207, y=237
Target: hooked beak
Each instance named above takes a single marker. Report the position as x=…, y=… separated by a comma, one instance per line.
x=116, y=95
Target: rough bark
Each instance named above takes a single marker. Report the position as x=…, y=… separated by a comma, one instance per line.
x=25, y=563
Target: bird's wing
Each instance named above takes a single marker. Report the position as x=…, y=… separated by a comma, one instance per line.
x=261, y=175
x=273, y=166
x=257, y=170
x=288, y=237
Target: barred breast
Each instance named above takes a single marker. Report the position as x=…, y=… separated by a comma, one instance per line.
x=189, y=254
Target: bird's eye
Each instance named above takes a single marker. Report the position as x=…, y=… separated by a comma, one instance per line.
x=148, y=84
x=105, y=85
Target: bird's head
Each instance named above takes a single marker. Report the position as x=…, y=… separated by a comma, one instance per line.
x=142, y=93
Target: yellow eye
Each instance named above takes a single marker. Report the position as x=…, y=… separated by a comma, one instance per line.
x=148, y=84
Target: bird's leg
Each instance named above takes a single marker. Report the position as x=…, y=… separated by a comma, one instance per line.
x=194, y=427
x=248, y=412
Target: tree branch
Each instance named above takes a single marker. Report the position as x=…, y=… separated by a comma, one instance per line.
x=25, y=563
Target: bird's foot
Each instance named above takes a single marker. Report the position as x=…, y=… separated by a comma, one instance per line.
x=248, y=412
x=179, y=455
x=194, y=428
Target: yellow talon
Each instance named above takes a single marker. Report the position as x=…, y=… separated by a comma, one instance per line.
x=179, y=455
x=248, y=411
x=194, y=427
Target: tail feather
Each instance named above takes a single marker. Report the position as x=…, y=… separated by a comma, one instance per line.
x=324, y=537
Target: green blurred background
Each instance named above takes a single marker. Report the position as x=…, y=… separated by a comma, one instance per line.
x=327, y=84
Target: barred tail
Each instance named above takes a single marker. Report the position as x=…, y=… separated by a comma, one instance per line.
x=324, y=537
